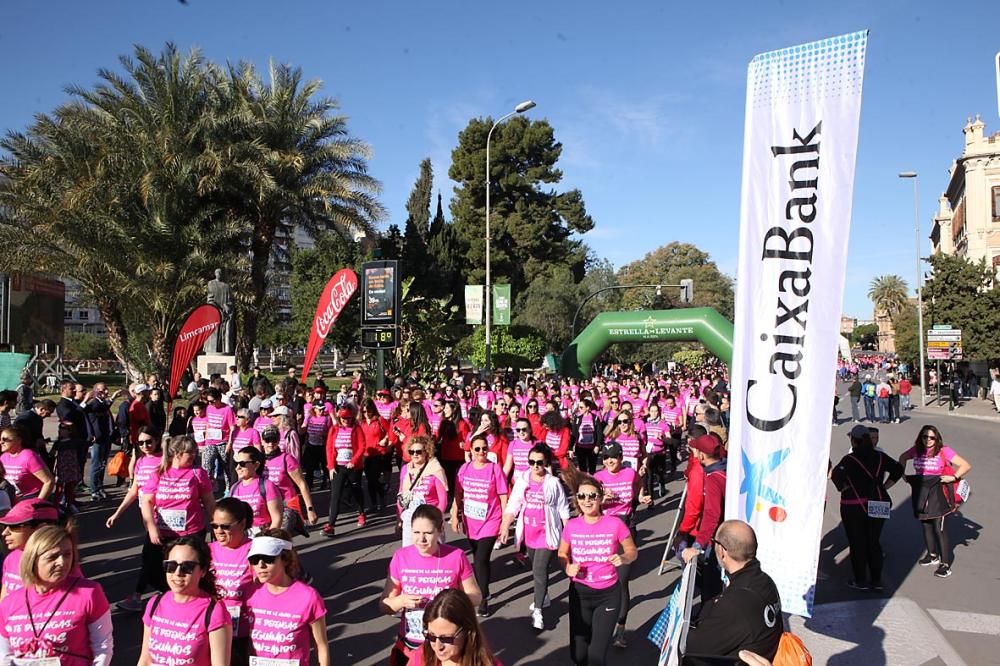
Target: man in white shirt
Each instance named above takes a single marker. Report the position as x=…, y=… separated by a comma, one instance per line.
x=995, y=389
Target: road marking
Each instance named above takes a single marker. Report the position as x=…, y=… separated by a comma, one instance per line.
x=970, y=623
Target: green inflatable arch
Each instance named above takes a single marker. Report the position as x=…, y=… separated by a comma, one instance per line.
x=703, y=325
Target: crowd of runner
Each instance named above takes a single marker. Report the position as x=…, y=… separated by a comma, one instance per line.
x=224, y=486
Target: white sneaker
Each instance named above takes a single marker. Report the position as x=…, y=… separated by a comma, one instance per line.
x=536, y=619
x=546, y=602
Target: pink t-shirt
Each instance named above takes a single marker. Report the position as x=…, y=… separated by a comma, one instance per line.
x=199, y=428
x=631, y=446
x=246, y=437
x=586, y=432
x=61, y=618
x=931, y=465
x=385, y=409
x=533, y=517
x=249, y=492
x=591, y=546
x=261, y=423
x=417, y=659
x=622, y=489
x=234, y=578
x=518, y=449
x=425, y=576
x=177, y=634
x=21, y=470
x=316, y=429
x=144, y=468
x=12, y=571
x=221, y=422
x=656, y=433
x=481, y=508
x=177, y=496
x=280, y=623
x=428, y=490
x=278, y=469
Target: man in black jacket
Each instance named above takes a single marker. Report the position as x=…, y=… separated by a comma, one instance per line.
x=747, y=614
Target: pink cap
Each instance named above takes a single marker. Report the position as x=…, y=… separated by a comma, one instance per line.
x=30, y=510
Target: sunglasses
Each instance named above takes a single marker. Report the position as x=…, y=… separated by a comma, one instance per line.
x=142, y=442
x=185, y=568
x=244, y=463
x=416, y=452
x=225, y=527
x=240, y=416
x=536, y=462
x=479, y=449
x=587, y=496
x=520, y=430
x=718, y=543
x=623, y=421
x=444, y=640
x=256, y=560
x=928, y=438
x=532, y=406
x=8, y=439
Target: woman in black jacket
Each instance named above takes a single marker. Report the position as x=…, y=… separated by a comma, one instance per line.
x=865, y=505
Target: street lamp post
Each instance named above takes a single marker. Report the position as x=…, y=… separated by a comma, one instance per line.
x=520, y=108
x=920, y=287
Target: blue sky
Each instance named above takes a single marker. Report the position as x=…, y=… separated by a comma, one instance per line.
x=647, y=98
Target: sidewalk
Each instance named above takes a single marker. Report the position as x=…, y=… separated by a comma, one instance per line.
x=973, y=408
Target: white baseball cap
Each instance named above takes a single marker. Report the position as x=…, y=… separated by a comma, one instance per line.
x=141, y=388
x=266, y=404
x=269, y=546
x=280, y=410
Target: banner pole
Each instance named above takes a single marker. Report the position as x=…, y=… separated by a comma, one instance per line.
x=380, y=369
x=673, y=533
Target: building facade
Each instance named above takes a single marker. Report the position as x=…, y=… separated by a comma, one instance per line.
x=967, y=223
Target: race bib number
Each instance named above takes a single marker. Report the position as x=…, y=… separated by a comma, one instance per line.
x=963, y=489
x=492, y=457
x=234, y=614
x=878, y=509
x=631, y=463
x=475, y=509
x=199, y=436
x=267, y=661
x=213, y=433
x=174, y=519
x=35, y=661
x=344, y=456
x=415, y=625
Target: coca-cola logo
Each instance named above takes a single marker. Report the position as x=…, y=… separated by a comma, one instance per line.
x=339, y=294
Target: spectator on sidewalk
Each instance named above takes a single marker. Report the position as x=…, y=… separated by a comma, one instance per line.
x=854, y=391
x=708, y=450
x=905, y=388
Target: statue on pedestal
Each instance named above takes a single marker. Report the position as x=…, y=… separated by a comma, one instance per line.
x=222, y=341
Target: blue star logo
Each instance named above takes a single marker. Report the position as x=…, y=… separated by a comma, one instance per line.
x=753, y=480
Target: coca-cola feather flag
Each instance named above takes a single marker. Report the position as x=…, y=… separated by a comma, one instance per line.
x=335, y=295
x=200, y=324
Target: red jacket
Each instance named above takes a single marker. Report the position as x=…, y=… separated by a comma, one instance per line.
x=401, y=440
x=562, y=451
x=357, y=446
x=695, y=495
x=715, y=503
x=373, y=433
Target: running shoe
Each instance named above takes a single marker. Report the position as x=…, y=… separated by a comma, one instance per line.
x=132, y=604
x=619, y=640
x=928, y=560
x=855, y=585
x=361, y=520
x=537, y=621
x=546, y=602
x=943, y=571
x=483, y=610
x=329, y=531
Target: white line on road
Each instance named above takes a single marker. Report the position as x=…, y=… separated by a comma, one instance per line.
x=970, y=623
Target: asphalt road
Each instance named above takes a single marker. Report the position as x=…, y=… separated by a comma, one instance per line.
x=350, y=570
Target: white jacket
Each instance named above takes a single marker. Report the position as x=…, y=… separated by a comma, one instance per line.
x=556, y=509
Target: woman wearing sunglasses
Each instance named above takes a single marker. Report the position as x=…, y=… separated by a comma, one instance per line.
x=538, y=501
x=630, y=441
x=244, y=434
x=417, y=573
x=589, y=553
x=177, y=497
x=480, y=498
x=452, y=634
x=622, y=492
x=147, y=463
x=283, y=613
x=421, y=481
x=192, y=603
x=54, y=590
x=489, y=427
x=230, y=522
x=317, y=426
x=284, y=472
x=519, y=448
x=253, y=487
x=24, y=467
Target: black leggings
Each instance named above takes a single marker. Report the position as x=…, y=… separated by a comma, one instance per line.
x=586, y=459
x=151, y=574
x=863, y=534
x=314, y=458
x=625, y=573
x=540, y=559
x=377, y=473
x=592, y=617
x=482, y=551
x=656, y=469
x=451, y=468
x=936, y=539
x=352, y=479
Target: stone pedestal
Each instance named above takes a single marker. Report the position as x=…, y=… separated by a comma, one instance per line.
x=215, y=364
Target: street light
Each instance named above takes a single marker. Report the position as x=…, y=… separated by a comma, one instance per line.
x=920, y=287
x=520, y=108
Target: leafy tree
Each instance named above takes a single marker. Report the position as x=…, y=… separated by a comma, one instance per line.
x=865, y=336
x=907, y=343
x=427, y=325
x=963, y=294
x=548, y=305
x=889, y=294
x=516, y=347
x=416, y=258
x=671, y=263
x=690, y=358
x=531, y=227
x=311, y=269
x=86, y=346
x=390, y=244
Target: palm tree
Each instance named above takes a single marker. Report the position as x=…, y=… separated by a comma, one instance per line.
x=290, y=162
x=889, y=294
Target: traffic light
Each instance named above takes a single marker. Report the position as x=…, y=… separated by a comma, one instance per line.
x=687, y=291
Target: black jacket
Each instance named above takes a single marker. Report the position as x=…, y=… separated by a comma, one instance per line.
x=737, y=619
x=598, y=430
x=861, y=476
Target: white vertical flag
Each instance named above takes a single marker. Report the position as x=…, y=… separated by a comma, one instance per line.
x=800, y=142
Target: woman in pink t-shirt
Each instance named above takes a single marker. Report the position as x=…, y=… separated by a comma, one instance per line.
x=480, y=498
x=145, y=465
x=938, y=469
x=24, y=467
x=244, y=434
x=253, y=487
x=283, y=613
x=452, y=633
x=233, y=575
x=538, y=501
x=421, y=481
x=589, y=553
x=19, y=524
x=283, y=471
x=417, y=573
x=58, y=615
x=188, y=619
